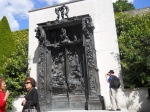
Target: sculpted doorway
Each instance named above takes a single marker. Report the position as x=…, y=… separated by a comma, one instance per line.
x=67, y=69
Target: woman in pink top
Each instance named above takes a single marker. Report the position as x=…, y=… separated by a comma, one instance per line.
x=3, y=96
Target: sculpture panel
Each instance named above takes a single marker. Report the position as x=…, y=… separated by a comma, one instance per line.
x=75, y=78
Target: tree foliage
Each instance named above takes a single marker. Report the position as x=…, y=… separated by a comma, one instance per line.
x=134, y=43
x=122, y=5
x=15, y=67
x=6, y=40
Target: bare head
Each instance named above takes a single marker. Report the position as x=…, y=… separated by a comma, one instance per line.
x=2, y=84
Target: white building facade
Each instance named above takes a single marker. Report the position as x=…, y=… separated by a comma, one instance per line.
x=106, y=44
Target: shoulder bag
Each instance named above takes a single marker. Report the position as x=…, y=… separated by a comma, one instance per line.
x=30, y=110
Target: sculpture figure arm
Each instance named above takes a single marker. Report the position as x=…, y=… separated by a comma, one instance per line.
x=57, y=12
x=67, y=10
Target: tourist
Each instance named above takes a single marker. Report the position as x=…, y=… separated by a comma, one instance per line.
x=3, y=96
x=112, y=92
x=31, y=98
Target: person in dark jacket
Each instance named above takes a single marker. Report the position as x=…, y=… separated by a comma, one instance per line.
x=31, y=99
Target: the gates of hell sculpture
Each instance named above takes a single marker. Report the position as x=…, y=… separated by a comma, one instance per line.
x=67, y=69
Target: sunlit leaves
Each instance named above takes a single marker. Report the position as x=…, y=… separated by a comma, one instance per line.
x=134, y=43
x=122, y=5
x=15, y=67
x=6, y=40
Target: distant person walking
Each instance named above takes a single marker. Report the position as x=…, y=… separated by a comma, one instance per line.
x=31, y=102
x=3, y=95
x=114, y=84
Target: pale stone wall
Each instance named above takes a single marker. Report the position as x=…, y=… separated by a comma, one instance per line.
x=137, y=100
x=106, y=43
x=17, y=104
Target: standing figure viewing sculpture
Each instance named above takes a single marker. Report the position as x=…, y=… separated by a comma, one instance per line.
x=31, y=102
x=113, y=85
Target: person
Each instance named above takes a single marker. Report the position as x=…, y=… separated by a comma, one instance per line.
x=31, y=98
x=3, y=96
x=113, y=92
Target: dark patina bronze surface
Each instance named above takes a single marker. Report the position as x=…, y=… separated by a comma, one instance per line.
x=67, y=69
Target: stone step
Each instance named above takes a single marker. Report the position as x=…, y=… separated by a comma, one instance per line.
x=122, y=110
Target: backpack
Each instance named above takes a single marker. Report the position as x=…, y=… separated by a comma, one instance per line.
x=115, y=82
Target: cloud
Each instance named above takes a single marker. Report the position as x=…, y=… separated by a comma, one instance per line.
x=52, y=2
x=15, y=9
x=130, y=1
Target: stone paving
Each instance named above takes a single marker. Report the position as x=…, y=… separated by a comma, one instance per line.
x=122, y=110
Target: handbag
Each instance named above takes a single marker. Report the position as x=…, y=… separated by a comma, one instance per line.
x=30, y=110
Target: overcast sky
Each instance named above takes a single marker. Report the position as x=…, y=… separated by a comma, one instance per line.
x=16, y=11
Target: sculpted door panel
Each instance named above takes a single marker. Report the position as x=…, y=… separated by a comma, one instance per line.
x=67, y=70
x=58, y=75
x=67, y=77
x=75, y=70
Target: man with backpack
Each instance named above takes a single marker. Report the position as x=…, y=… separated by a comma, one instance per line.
x=114, y=84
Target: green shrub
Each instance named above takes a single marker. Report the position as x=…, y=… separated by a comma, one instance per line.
x=15, y=67
x=7, y=45
x=134, y=43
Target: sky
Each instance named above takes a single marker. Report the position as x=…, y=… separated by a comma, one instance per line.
x=16, y=11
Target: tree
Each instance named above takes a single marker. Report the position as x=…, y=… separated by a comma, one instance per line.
x=134, y=43
x=7, y=45
x=15, y=67
x=122, y=5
